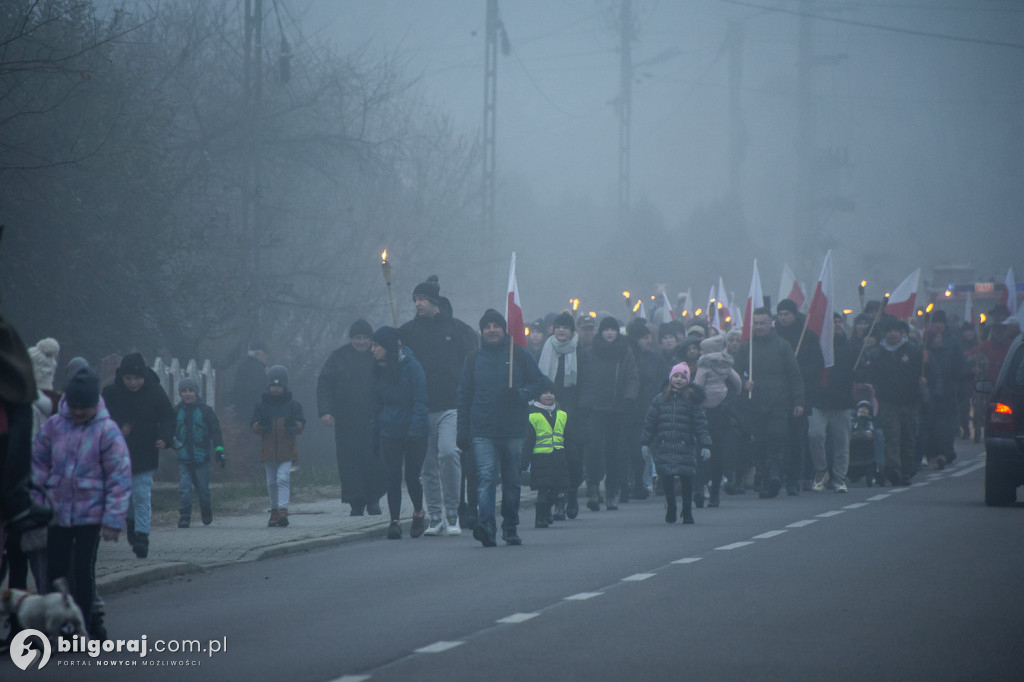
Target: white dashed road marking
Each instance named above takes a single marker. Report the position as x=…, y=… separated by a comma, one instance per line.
x=769, y=534
x=970, y=469
x=637, y=577
x=829, y=514
x=878, y=498
x=517, y=618
x=856, y=505
x=437, y=647
x=802, y=524
x=736, y=545
x=351, y=678
x=687, y=560
x=583, y=595
x=921, y=484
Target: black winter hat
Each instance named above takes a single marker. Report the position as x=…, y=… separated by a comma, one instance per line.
x=787, y=304
x=83, y=388
x=430, y=290
x=277, y=376
x=637, y=329
x=608, y=323
x=133, y=364
x=492, y=315
x=388, y=338
x=360, y=328
x=565, y=320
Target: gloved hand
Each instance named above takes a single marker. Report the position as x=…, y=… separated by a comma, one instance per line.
x=291, y=425
x=265, y=425
x=221, y=459
x=510, y=396
x=705, y=454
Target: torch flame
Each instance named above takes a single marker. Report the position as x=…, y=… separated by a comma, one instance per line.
x=637, y=306
x=384, y=256
x=929, y=307
x=626, y=294
x=983, y=318
x=863, y=283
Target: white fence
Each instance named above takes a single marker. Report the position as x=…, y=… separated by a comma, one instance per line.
x=171, y=374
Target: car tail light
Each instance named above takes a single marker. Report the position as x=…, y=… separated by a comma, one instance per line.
x=1001, y=417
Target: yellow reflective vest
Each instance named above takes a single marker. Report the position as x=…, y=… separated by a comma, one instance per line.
x=548, y=439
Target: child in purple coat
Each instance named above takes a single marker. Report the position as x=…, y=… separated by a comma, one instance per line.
x=80, y=462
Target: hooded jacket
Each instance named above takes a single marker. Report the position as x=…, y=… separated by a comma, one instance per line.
x=484, y=411
x=399, y=399
x=83, y=469
x=676, y=428
x=441, y=344
x=146, y=414
x=279, y=420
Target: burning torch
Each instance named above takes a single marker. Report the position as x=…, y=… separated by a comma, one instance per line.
x=385, y=266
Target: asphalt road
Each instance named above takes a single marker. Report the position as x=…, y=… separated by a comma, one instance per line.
x=920, y=583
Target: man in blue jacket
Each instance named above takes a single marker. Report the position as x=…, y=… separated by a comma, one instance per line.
x=493, y=416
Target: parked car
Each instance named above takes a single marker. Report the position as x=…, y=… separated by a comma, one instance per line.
x=1004, y=430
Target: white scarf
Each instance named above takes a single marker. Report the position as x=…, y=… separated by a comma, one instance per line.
x=548, y=362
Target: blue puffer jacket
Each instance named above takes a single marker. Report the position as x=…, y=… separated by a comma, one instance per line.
x=484, y=412
x=399, y=401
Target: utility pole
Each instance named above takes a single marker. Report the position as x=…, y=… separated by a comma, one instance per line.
x=490, y=116
x=251, y=193
x=625, y=108
x=737, y=132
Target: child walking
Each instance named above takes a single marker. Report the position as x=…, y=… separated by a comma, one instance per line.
x=674, y=427
x=278, y=420
x=197, y=439
x=547, y=442
x=80, y=461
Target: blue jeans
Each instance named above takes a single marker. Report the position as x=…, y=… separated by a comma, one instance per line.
x=193, y=475
x=279, y=476
x=140, y=505
x=496, y=456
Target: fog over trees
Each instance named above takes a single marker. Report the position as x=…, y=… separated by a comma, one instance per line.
x=172, y=182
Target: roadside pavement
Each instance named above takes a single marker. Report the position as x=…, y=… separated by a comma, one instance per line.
x=236, y=538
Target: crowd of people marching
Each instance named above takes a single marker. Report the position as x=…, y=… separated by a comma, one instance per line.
x=619, y=412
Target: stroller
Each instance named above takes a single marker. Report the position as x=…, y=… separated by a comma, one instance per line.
x=862, y=447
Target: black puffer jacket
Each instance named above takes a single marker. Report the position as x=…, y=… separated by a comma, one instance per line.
x=148, y=416
x=441, y=344
x=676, y=428
x=612, y=381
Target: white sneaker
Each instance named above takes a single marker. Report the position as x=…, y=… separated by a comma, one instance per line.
x=436, y=527
x=841, y=487
x=452, y=526
x=820, y=480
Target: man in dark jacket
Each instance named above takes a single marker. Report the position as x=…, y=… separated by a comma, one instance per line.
x=651, y=377
x=894, y=368
x=343, y=390
x=776, y=393
x=609, y=393
x=492, y=419
x=147, y=421
x=831, y=410
x=441, y=344
x=790, y=326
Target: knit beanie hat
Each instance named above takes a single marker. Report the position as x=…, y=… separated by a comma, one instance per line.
x=389, y=338
x=360, y=328
x=277, y=376
x=787, y=305
x=565, y=320
x=492, y=315
x=133, y=364
x=44, y=362
x=83, y=388
x=430, y=290
x=190, y=384
x=714, y=344
x=637, y=329
x=74, y=364
x=681, y=368
x=608, y=323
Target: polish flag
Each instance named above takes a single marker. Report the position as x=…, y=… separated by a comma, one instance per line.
x=667, y=314
x=514, y=308
x=712, y=310
x=792, y=289
x=755, y=299
x=640, y=310
x=819, y=315
x=687, y=308
x=901, y=300
x=1009, y=297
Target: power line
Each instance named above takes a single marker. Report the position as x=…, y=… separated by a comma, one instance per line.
x=879, y=27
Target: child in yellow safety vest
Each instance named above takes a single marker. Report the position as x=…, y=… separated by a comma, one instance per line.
x=547, y=441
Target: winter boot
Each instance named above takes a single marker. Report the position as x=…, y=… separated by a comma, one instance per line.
x=687, y=514
x=184, y=521
x=713, y=498
x=130, y=531
x=274, y=513
x=572, y=504
x=282, y=518
x=357, y=509
x=670, y=512
x=141, y=546
x=207, y=516
x=542, y=507
x=558, y=513
x=698, y=495
x=592, y=498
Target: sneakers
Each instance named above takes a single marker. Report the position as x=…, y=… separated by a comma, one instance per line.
x=483, y=537
x=184, y=521
x=395, y=531
x=419, y=525
x=510, y=537
x=841, y=487
x=207, y=517
x=820, y=481
x=436, y=527
x=452, y=525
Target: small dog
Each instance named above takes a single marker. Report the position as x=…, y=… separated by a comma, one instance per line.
x=48, y=613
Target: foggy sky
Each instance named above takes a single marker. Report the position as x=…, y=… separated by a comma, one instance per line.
x=932, y=125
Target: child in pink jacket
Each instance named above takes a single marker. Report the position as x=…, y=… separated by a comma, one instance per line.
x=80, y=462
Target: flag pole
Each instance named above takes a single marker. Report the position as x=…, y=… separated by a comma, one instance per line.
x=750, y=361
x=807, y=318
x=878, y=316
x=511, y=351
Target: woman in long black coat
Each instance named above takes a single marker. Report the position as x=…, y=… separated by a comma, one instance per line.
x=674, y=428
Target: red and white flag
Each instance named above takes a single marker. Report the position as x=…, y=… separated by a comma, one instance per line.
x=901, y=300
x=712, y=310
x=819, y=315
x=792, y=289
x=514, y=308
x=667, y=314
x=755, y=300
x=1009, y=297
x=688, y=307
